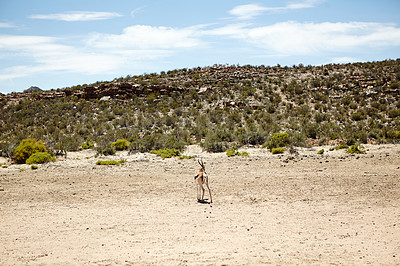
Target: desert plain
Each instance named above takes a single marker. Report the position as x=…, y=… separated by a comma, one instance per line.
x=302, y=208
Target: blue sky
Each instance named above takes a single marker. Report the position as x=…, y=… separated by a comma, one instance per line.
x=56, y=44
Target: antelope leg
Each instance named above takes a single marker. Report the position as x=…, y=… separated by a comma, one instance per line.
x=209, y=191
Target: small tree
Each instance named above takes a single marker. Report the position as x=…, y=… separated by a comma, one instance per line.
x=278, y=140
x=26, y=148
x=121, y=144
x=40, y=157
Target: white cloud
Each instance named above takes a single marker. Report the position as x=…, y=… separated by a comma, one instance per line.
x=136, y=10
x=15, y=72
x=77, y=16
x=237, y=31
x=6, y=25
x=147, y=37
x=45, y=54
x=99, y=54
x=11, y=42
x=343, y=60
x=250, y=11
x=302, y=4
x=143, y=54
x=295, y=38
x=142, y=44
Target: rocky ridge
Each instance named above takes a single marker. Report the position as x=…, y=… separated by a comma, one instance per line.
x=336, y=78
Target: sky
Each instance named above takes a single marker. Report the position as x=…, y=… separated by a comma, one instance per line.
x=56, y=44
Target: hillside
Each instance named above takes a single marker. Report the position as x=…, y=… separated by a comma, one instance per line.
x=218, y=107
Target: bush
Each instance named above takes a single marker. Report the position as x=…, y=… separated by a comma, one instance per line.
x=106, y=150
x=214, y=143
x=394, y=113
x=278, y=140
x=34, y=167
x=397, y=134
x=278, y=150
x=87, y=145
x=156, y=140
x=112, y=162
x=234, y=152
x=186, y=157
x=342, y=146
x=40, y=157
x=311, y=130
x=71, y=142
x=215, y=146
x=254, y=138
x=166, y=153
x=26, y=148
x=355, y=149
x=121, y=144
x=358, y=116
x=321, y=151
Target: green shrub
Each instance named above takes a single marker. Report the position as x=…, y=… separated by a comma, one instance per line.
x=71, y=142
x=321, y=151
x=355, y=149
x=254, y=138
x=394, y=113
x=106, y=150
x=215, y=146
x=40, y=157
x=216, y=141
x=244, y=153
x=186, y=157
x=121, y=144
x=278, y=140
x=166, y=153
x=342, y=146
x=358, y=116
x=87, y=145
x=34, y=167
x=26, y=148
x=112, y=162
x=278, y=150
x=395, y=85
x=311, y=130
x=234, y=152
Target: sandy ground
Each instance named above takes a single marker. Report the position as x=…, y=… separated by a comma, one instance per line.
x=268, y=209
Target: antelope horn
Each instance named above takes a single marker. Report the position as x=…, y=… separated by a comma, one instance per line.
x=201, y=163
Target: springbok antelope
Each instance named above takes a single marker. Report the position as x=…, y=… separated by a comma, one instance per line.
x=201, y=178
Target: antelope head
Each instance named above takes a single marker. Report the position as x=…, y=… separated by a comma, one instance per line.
x=203, y=168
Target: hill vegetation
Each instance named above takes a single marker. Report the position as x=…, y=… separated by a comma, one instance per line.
x=219, y=107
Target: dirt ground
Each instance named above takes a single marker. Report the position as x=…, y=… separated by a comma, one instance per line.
x=300, y=208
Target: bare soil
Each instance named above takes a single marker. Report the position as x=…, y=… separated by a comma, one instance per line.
x=300, y=208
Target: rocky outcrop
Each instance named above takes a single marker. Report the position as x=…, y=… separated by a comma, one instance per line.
x=369, y=79
x=123, y=90
x=114, y=90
